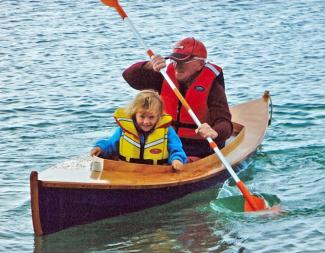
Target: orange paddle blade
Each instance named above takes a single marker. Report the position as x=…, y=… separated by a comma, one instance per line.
x=252, y=203
x=238, y=203
x=115, y=4
x=259, y=204
x=110, y=3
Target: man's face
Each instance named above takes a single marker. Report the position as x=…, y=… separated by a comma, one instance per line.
x=185, y=69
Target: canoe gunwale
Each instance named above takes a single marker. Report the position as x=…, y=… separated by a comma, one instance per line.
x=196, y=174
x=159, y=176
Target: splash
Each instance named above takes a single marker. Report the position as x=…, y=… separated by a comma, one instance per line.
x=236, y=203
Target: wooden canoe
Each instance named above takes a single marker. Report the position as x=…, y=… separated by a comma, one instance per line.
x=63, y=197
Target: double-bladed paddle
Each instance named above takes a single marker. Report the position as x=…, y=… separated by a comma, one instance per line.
x=252, y=202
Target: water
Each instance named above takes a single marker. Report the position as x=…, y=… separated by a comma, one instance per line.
x=60, y=81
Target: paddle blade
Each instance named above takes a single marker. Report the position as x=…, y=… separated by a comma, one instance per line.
x=110, y=3
x=115, y=4
x=252, y=203
x=238, y=203
x=259, y=204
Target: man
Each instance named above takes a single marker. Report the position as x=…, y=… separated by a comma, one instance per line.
x=202, y=85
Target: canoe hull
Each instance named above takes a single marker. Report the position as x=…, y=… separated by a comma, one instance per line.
x=72, y=206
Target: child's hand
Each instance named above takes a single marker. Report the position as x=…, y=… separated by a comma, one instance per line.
x=177, y=165
x=96, y=151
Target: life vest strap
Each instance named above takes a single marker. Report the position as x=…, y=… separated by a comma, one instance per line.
x=213, y=69
x=143, y=161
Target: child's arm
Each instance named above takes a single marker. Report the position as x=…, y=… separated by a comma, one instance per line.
x=109, y=146
x=175, y=149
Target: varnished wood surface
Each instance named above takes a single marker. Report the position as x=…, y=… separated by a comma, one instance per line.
x=253, y=115
x=35, y=203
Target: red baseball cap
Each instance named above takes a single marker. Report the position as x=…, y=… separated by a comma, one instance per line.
x=188, y=47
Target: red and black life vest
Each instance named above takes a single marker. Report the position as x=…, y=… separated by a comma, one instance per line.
x=196, y=96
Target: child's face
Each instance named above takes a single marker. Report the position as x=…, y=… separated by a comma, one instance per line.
x=146, y=120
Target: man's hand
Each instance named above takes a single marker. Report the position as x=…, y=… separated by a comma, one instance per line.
x=157, y=63
x=205, y=130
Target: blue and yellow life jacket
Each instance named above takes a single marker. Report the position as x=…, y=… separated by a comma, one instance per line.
x=152, y=149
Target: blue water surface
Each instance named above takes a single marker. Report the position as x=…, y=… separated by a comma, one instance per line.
x=60, y=82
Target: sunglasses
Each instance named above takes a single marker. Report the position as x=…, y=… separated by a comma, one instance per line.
x=183, y=63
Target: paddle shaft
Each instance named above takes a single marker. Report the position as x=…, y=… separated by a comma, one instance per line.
x=246, y=193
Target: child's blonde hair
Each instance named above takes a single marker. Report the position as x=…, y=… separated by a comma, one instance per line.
x=146, y=100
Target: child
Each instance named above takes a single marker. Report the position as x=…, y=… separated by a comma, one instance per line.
x=144, y=134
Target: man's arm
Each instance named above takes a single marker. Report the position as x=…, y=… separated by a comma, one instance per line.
x=219, y=113
x=141, y=76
